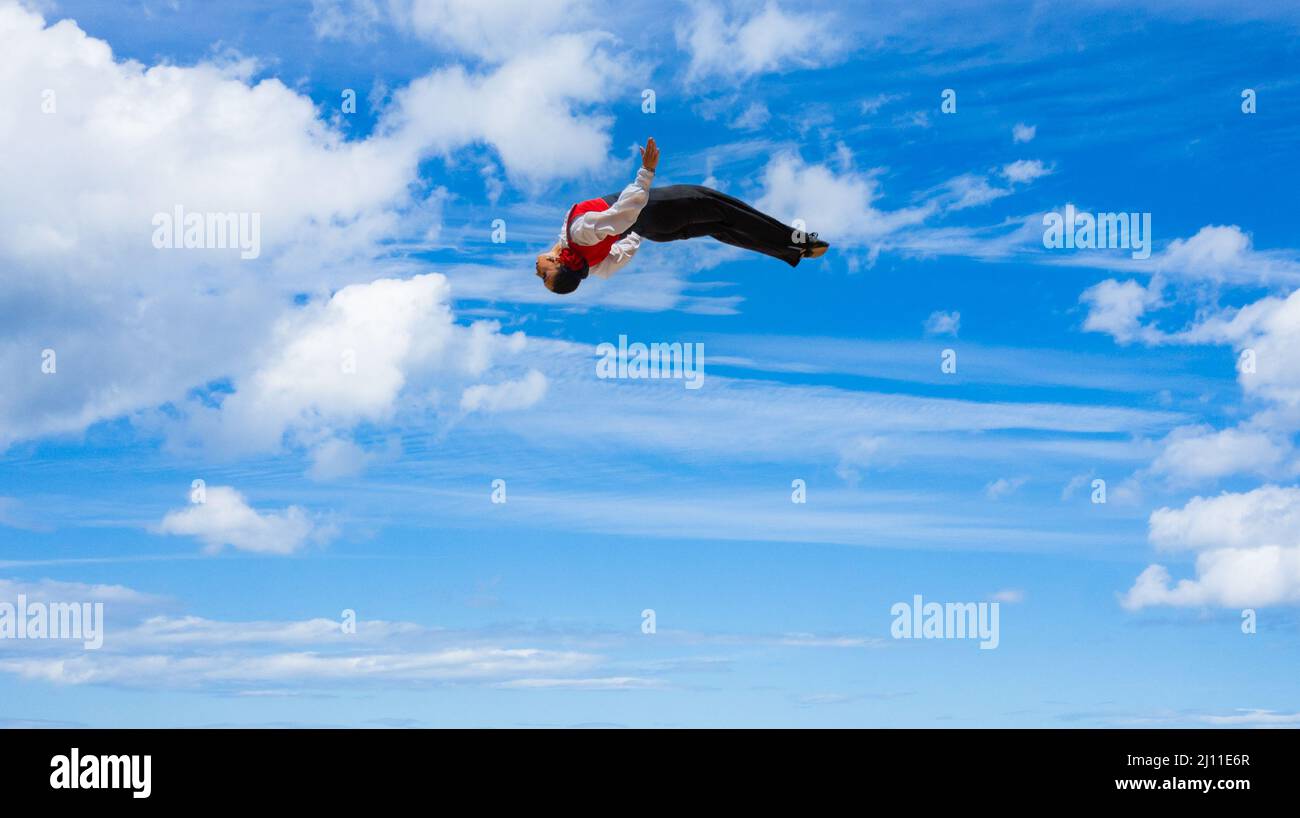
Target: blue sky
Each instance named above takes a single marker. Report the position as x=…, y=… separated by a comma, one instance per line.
x=372, y=490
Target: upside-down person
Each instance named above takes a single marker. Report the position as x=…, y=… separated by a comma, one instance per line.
x=600, y=236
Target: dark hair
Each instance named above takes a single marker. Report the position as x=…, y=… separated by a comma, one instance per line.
x=567, y=278
x=566, y=281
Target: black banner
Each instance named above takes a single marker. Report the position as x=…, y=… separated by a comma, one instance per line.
x=209, y=767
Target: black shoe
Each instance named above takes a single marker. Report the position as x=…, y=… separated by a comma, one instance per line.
x=813, y=246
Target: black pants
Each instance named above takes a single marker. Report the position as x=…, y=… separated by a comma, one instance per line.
x=678, y=212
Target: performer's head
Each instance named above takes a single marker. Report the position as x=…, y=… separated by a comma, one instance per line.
x=561, y=270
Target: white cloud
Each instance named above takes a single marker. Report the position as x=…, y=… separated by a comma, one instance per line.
x=372, y=354
x=769, y=40
x=861, y=452
x=354, y=20
x=551, y=86
x=490, y=30
x=1010, y=596
x=1245, y=554
x=226, y=519
x=1247, y=550
x=1024, y=133
x=1270, y=330
x=971, y=190
x=134, y=327
x=1254, y=717
x=1023, y=171
x=943, y=323
x=753, y=117
x=146, y=650
x=839, y=202
x=870, y=106
x=48, y=590
x=1075, y=483
x=812, y=640
x=1269, y=515
x=1217, y=253
x=337, y=457
x=1193, y=453
x=335, y=364
x=505, y=396
x=836, y=203
x=1003, y=487
x=601, y=683
x=1117, y=308
x=1212, y=252
x=155, y=632
x=473, y=664
x=816, y=420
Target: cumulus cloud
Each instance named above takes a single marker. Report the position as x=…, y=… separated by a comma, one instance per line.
x=1268, y=331
x=1216, y=251
x=129, y=327
x=555, y=85
x=1117, y=308
x=1024, y=133
x=1193, y=453
x=1247, y=548
x=1023, y=171
x=1244, y=555
x=133, y=326
x=226, y=519
x=1263, y=334
x=1221, y=254
x=372, y=354
x=838, y=203
x=334, y=364
x=770, y=39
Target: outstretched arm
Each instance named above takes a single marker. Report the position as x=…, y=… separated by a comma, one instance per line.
x=591, y=228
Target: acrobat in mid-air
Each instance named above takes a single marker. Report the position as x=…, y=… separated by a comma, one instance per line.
x=601, y=235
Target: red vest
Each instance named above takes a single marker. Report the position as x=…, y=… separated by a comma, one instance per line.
x=593, y=254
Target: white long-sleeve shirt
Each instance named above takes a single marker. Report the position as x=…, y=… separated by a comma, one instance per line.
x=598, y=225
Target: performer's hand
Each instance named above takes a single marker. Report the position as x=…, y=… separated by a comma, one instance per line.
x=650, y=155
